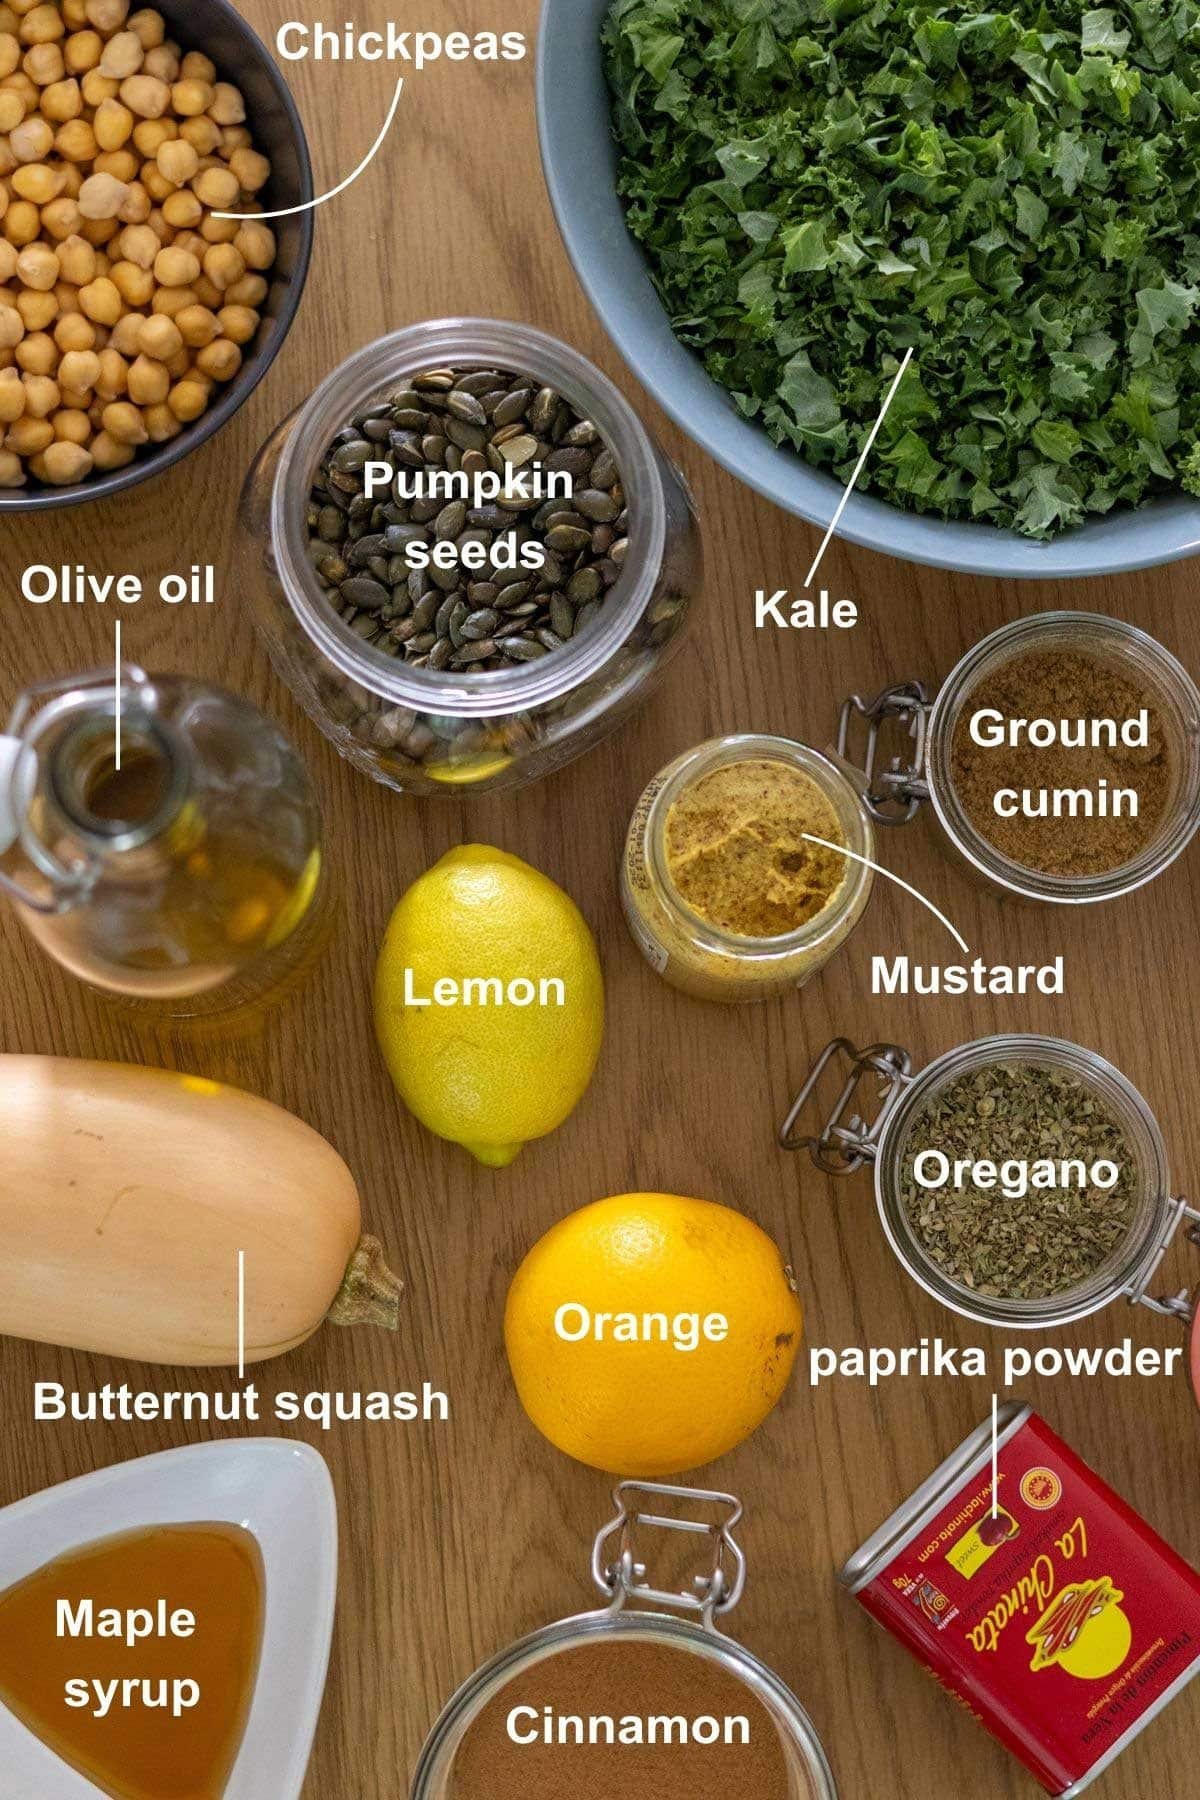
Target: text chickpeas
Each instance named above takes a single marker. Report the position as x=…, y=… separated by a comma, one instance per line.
x=126, y=301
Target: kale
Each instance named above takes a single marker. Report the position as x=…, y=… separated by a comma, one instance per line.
x=820, y=185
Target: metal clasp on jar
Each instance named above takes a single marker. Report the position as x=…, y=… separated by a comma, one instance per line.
x=622, y=1577
x=846, y=1140
x=1181, y=1306
x=896, y=787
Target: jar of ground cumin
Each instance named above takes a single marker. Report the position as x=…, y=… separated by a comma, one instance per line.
x=1061, y=757
x=646, y=1698
x=746, y=867
x=1022, y=1181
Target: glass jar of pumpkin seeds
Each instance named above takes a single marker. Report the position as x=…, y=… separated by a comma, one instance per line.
x=468, y=559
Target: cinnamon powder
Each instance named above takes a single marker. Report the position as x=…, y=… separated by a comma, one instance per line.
x=1062, y=686
x=619, y=1681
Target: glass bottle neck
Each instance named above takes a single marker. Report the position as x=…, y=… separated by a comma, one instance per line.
x=116, y=793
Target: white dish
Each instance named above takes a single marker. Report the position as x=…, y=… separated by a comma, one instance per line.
x=278, y=1491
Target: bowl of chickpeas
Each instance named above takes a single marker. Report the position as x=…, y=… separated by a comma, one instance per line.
x=146, y=283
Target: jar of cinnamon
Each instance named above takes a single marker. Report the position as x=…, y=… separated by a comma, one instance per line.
x=646, y=1697
x=1061, y=757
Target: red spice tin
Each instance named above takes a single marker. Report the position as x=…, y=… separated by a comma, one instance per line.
x=1054, y=1613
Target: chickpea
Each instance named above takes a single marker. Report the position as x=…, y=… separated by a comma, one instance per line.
x=39, y=310
x=65, y=462
x=113, y=125
x=62, y=101
x=113, y=378
x=257, y=245
x=61, y=219
x=188, y=400
x=138, y=244
x=106, y=15
x=198, y=67
x=218, y=188
x=182, y=210
x=160, y=338
x=10, y=55
x=136, y=206
x=38, y=267
x=22, y=223
x=162, y=425
x=102, y=196
x=12, y=111
x=228, y=107
x=97, y=88
x=135, y=286
x=122, y=165
x=31, y=141
x=12, y=327
x=124, y=334
x=101, y=301
x=149, y=382
x=173, y=300
x=29, y=437
x=201, y=134
x=41, y=396
x=77, y=261
x=150, y=28
x=8, y=260
x=219, y=231
x=12, y=397
x=99, y=231
x=79, y=371
x=82, y=51
x=197, y=326
x=174, y=267
x=207, y=294
x=163, y=63
x=108, y=454
x=235, y=137
x=12, y=470
x=37, y=182
x=76, y=142
x=178, y=162
x=123, y=55
x=191, y=97
x=37, y=354
x=252, y=170
x=150, y=134
x=27, y=91
x=44, y=65
x=123, y=421
x=42, y=25
x=146, y=96
x=220, y=361
x=71, y=425
x=155, y=183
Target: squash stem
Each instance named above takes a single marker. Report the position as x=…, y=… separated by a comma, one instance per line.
x=370, y=1293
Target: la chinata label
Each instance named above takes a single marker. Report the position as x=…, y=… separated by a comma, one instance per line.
x=1060, y=1619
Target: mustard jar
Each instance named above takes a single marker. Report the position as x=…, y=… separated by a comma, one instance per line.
x=638, y=1622
x=747, y=865
x=160, y=840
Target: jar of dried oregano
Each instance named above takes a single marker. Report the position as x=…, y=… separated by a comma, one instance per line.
x=1022, y=1181
x=467, y=556
x=1061, y=757
x=646, y=1698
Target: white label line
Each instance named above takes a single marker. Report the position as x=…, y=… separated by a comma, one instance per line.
x=840, y=850
x=858, y=467
x=289, y=212
x=241, y=1315
x=995, y=1456
x=117, y=675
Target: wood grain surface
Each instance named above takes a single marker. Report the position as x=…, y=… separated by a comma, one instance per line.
x=455, y=1538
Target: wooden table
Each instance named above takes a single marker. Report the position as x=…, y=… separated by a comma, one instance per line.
x=455, y=1538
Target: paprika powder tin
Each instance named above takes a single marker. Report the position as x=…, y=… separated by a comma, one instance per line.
x=1057, y=1616
x=905, y=757
x=637, y=1612
x=845, y=1141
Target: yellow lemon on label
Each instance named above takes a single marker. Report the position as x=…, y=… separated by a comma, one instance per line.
x=489, y=1002
x=649, y=1334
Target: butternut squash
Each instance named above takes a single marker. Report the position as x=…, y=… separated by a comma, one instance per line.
x=126, y=1195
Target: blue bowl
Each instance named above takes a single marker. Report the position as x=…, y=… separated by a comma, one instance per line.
x=580, y=160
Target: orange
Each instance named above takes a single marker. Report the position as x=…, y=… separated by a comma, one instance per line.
x=648, y=1334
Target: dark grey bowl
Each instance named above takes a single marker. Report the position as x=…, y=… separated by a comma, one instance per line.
x=219, y=31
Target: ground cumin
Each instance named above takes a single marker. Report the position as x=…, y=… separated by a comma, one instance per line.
x=1063, y=686
x=737, y=854
x=618, y=1680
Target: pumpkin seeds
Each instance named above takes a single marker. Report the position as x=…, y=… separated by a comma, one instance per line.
x=496, y=610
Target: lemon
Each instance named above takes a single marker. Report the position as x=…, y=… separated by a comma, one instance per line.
x=649, y=1334
x=494, y=1068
